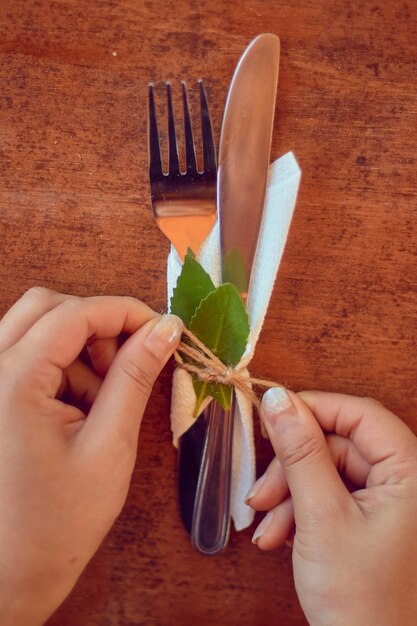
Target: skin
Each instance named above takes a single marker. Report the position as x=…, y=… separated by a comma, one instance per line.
x=65, y=466
x=351, y=494
x=68, y=441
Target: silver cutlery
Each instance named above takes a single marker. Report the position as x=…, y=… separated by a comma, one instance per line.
x=244, y=154
x=183, y=202
x=184, y=206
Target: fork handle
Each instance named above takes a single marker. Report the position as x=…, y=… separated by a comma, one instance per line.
x=211, y=518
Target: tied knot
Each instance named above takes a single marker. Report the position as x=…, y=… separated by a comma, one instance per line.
x=207, y=367
x=228, y=376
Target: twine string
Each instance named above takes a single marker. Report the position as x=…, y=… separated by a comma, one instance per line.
x=210, y=369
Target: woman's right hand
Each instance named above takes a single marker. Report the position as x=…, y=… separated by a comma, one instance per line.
x=346, y=473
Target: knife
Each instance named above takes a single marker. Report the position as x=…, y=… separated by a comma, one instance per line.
x=244, y=155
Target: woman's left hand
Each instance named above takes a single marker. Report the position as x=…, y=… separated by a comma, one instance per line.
x=68, y=435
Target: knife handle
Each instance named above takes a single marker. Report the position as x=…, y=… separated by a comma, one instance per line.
x=211, y=518
x=190, y=452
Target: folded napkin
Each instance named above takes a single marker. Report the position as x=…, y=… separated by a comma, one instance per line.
x=283, y=180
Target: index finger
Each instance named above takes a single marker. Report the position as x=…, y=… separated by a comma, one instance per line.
x=25, y=312
x=376, y=432
x=58, y=337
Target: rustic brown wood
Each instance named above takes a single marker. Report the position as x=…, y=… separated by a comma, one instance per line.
x=75, y=216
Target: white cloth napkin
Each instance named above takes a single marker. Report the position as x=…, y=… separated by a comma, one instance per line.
x=283, y=180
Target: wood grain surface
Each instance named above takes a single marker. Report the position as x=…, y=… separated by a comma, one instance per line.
x=75, y=217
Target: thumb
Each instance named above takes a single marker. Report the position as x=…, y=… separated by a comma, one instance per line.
x=299, y=443
x=118, y=409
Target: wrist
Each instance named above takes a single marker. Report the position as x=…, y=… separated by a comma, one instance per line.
x=17, y=608
x=396, y=612
x=25, y=600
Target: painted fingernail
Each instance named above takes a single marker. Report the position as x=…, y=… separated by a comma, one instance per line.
x=164, y=336
x=263, y=527
x=254, y=489
x=275, y=401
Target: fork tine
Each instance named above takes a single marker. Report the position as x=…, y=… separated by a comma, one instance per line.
x=174, y=164
x=209, y=149
x=155, y=163
x=189, y=140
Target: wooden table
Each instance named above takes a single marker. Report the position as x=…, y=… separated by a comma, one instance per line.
x=75, y=217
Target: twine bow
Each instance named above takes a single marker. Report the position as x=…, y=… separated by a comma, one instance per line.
x=208, y=368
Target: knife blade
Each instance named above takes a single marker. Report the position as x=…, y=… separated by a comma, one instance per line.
x=244, y=154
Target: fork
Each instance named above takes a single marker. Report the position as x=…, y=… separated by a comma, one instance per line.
x=183, y=203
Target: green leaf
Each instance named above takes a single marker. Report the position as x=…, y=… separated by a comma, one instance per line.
x=221, y=323
x=221, y=393
x=234, y=270
x=193, y=285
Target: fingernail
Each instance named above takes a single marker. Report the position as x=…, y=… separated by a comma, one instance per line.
x=164, y=335
x=275, y=401
x=263, y=527
x=254, y=489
